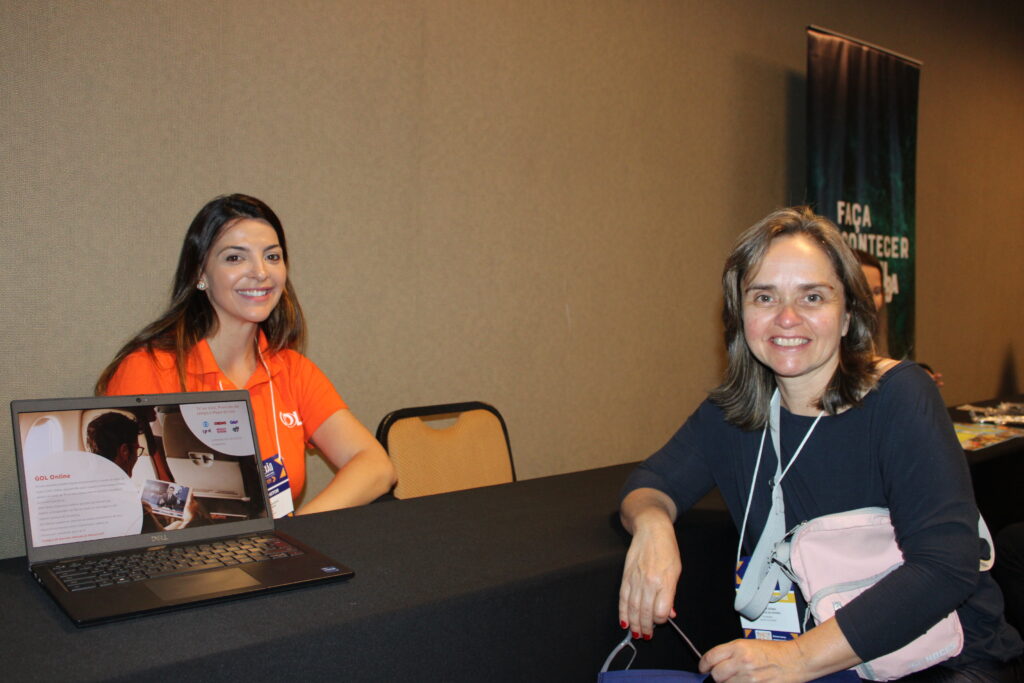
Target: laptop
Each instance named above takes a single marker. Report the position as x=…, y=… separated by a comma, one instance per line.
x=138, y=504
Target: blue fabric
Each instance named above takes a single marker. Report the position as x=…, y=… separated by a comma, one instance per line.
x=667, y=676
x=657, y=675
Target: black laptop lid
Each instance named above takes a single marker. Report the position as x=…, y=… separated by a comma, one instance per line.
x=102, y=474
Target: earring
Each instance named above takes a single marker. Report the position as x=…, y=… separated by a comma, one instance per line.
x=201, y=285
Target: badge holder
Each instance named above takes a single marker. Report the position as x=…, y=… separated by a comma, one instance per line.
x=278, y=487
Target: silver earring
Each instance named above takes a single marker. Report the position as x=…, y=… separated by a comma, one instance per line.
x=201, y=285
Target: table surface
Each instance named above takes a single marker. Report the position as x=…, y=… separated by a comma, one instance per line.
x=1010, y=447
x=996, y=473
x=513, y=582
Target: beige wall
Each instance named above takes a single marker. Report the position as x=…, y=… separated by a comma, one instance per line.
x=522, y=202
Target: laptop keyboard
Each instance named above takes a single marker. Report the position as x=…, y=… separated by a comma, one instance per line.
x=88, y=573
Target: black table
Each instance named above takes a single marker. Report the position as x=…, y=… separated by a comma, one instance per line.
x=515, y=582
x=997, y=473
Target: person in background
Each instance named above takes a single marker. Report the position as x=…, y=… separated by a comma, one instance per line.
x=869, y=431
x=234, y=322
x=872, y=269
x=115, y=437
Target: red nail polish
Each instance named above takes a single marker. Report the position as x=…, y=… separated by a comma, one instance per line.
x=623, y=624
x=635, y=635
x=647, y=636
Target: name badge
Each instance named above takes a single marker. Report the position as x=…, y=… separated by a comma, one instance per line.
x=780, y=619
x=278, y=488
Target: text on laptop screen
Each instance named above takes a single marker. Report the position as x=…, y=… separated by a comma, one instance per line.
x=111, y=472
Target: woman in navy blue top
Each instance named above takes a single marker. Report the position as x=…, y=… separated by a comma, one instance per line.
x=800, y=320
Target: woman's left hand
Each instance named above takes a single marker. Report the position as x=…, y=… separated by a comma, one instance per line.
x=822, y=650
x=754, y=660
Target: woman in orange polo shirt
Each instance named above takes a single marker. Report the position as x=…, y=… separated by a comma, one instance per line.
x=234, y=322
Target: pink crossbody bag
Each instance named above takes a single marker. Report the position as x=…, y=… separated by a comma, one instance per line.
x=833, y=559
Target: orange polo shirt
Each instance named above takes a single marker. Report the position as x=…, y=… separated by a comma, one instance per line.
x=303, y=397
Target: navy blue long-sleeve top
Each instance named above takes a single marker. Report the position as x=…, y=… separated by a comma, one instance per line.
x=898, y=450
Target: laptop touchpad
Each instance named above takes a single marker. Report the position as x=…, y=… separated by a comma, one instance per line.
x=196, y=585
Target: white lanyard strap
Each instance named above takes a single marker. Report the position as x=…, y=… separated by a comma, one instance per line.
x=762, y=572
x=273, y=405
x=773, y=423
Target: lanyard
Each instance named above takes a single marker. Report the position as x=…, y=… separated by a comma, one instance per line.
x=775, y=482
x=775, y=526
x=273, y=403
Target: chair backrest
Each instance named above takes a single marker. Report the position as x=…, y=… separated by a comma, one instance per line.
x=432, y=456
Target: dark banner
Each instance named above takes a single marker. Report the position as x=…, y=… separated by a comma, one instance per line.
x=861, y=145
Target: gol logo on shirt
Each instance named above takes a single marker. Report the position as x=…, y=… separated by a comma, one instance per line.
x=291, y=419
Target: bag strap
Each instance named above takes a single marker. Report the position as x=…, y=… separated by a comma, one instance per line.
x=770, y=562
x=628, y=642
x=767, y=564
x=764, y=571
x=984, y=534
x=623, y=644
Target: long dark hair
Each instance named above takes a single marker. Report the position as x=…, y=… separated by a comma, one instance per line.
x=749, y=384
x=190, y=318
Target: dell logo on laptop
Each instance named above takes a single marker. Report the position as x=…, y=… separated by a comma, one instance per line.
x=158, y=538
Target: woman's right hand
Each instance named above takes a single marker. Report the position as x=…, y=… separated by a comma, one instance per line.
x=652, y=566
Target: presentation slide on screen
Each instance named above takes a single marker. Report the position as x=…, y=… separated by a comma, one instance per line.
x=79, y=468
x=80, y=496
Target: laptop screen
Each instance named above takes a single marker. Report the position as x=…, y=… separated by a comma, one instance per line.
x=108, y=473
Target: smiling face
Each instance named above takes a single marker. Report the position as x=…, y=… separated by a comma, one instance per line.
x=794, y=318
x=245, y=273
